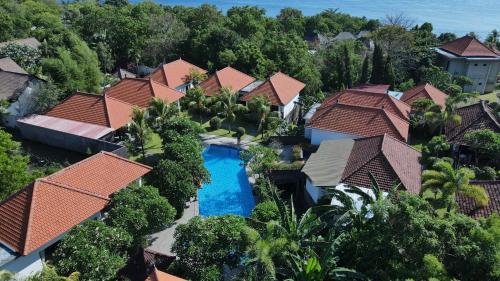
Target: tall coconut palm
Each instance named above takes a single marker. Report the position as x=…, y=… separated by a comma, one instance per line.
x=450, y=181
x=436, y=118
x=197, y=101
x=225, y=104
x=261, y=107
x=159, y=112
x=139, y=130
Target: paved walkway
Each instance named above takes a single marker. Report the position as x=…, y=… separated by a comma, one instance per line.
x=161, y=242
x=220, y=140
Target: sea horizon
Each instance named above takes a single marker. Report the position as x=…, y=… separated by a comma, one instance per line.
x=456, y=16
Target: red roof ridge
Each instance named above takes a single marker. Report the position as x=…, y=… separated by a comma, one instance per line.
x=402, y=142
x=274, y=89
x=161, y=85
x=126, y=160
x=30, y=217
x=72, y=188
x=119, y=100
x=487, y=110
x=390, y=116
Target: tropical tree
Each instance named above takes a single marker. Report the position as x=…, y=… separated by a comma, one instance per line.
x=159, y=112
x=437, y=147
x=139, y=131
x=450, y=181
x=196, y=100
x=196, y=76
x=260, y=107
x=436, y=117
x=485, y=143
x=225, y=104
x=49, y=273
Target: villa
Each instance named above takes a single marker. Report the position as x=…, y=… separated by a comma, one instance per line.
x=226, y=78
x=176, y=75
x=282, y=92
x=357, y=113
x=17, y=87
x=469, y=57
x=36, y=217
x=349, y=162
x=425, y=91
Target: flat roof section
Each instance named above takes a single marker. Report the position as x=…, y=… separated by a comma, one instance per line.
x=67, y=126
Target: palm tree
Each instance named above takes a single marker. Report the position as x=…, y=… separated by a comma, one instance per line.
x=450, y=181
x=196, y=76
x=197, y=101
x=139, y=129
x=225, y=105
x=436, y=118
x=261, y=107
x=159, y=112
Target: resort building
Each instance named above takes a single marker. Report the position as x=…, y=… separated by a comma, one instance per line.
x=356, y=113
x=425, y=91
x=468, y=206
x=227, y=77
x=176, y=75
x=282, y=92
x=36, y=217
x=469, y=57
x=349, y=162
x=474, y=117
x=17, y=87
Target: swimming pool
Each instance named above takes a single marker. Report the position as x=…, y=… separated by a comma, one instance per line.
x=229, y=191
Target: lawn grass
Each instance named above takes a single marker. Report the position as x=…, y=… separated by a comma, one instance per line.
x=154, y=146
x=204, y=121
x=491, y=97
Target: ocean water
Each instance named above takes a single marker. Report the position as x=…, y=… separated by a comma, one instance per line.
x=229, y=191
x=457, y=16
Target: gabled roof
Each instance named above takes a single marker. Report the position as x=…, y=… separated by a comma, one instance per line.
x=51, y=206
x=93, y=109
x=280, y=89
x=174, y=74
x=468, y=46
x=157, y=275
x=140, y=92
x=344, y=36
x=467, y=205
x=30, y=42
x=227, y=77
x=425, y=91
x=388, y=159
x=362, y=121
x=373, y=88
x=7, y=64
x=474, y=117
x=371, y=99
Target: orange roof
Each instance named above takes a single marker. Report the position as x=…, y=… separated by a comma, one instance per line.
x=280, y=89
x=371, y=99
x=468, y=46
x=140, y=92
x=157, y=275
x=358, y=120
x=425, y=91
x=373, y=88
x=174, y=74
x=93, y=109
x=51, y=206
x=228, y=78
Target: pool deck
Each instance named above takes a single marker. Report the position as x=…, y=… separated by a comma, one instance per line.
x=162, y=241
x=213, y=139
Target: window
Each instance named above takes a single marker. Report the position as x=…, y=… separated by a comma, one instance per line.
x=484, y=64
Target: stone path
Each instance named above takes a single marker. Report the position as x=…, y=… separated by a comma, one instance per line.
x=161, y=242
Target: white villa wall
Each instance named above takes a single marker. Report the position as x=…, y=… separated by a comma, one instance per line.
x=287, y=108
x=318, y=135
x=315, y=192
x=22, y=106
x=23, y=266
x=482, y=72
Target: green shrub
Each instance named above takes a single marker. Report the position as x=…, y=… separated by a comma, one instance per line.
x=215, y=123
x=265, y=211
x=240, y=131
x=297, y=152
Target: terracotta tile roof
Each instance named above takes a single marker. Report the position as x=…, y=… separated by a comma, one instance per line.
x=227, y=77
x=82, y=107
x=157, y=275
x=425, y=91
x=371, y=99
x=362, y=121
x=388, y=159
x=280, y=89
x=174, y=74
x=467, y=205
x=51, y=206
x=373, y=88
x=118, y=112
x=140, y=92
x=468, y=46
x=474, y=117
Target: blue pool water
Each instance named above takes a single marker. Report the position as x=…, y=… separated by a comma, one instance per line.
x=229, y=191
